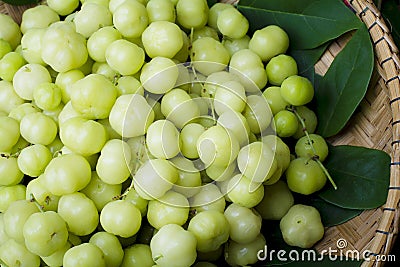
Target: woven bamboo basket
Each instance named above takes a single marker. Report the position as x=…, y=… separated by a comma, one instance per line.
x=375, y=125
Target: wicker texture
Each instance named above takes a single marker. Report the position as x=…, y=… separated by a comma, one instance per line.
x=376, y=125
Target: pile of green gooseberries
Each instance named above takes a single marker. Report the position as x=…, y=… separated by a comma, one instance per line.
x=151, y=133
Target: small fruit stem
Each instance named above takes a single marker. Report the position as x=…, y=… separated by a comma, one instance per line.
x=115, y=79
x=33, y=199
x=7, y=156
x=197, y=79
x=156, y=258
x=315, y=157
x=190, y=45
x=213, y=110
x=139, y=163
x=57, y=153
x=191, y=57
x=326, y=173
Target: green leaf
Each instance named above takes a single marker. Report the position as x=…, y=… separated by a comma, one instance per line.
x=306, y=59
x=309, y=23
x=342, y=88
x=390, y=11
x=332, y=215
x=21, y=2
x=361, y=174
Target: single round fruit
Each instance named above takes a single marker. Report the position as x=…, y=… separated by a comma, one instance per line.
x=302, y=226
x=244, y=223
x=276, y=202
x=28, y=77
x=15, y=217
x=9, y=133
x=10, y=30
x=159, y=75
x=67, y=174
x=79, y=212
x=173, y=246
x=112, y=164
x=211, y=229
x=84, y=255
x=279, y=68
x=45, y=233
x=137, y=255
x=257, y=161
x=121, y=217
x=160, y=10
x=237, y=254
x=318, y=147
x=130, y=19
x=158, y=172
x=209, y=55
x=214, y=12
x=217, y=146
x=82, y=136
x=242, y=191
x=93, y=96
x=192, y=13
x=269, y=41
x=129, y=110
x=91, y=17
x=286, y=123
x=162, y=38
x=12, y=252
x=39, y=16
x=62, y=7
x=63, y=48
x=178, y=107
x=110, y=246
x=305, y=176
x=162, y=139
x=170, y=208
x=232, y=23
x=297, y=90
x=125, y=57
x=33, y=159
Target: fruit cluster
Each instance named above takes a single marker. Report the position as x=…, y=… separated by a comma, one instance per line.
x=151, y=133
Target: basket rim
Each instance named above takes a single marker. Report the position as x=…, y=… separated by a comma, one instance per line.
x=388, y=62
x=386, y=56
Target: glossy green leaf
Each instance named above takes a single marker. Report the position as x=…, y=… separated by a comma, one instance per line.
x=332, y=215
x=390, y=11
x=306, y=59
x=21, y=2
x=309, y=23
x=362, y=176
x=342, y=88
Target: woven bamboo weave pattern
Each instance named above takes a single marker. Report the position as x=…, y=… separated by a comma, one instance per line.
x=376, y=124
x=379, y=114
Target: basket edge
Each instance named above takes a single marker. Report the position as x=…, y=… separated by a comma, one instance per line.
x=386, y=54
x=365, y=9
